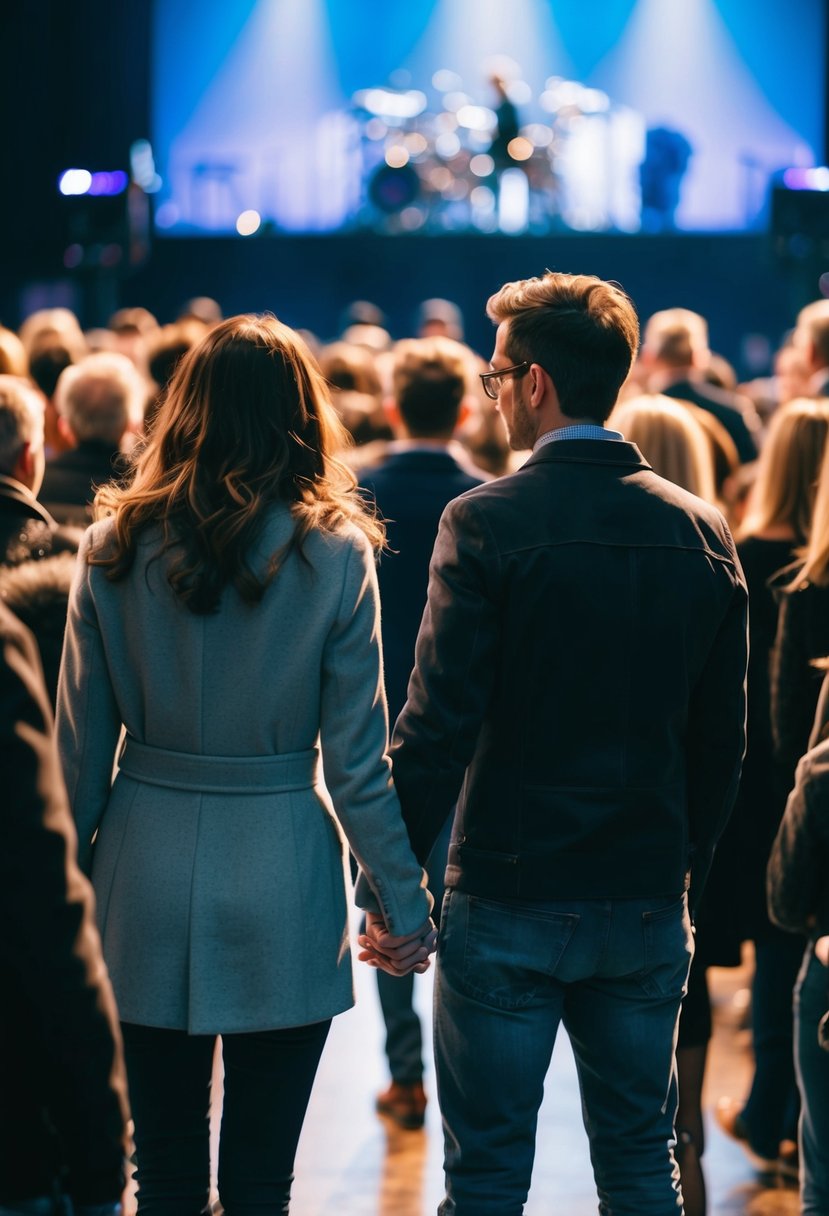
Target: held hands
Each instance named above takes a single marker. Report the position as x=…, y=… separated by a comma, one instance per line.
x=396, y=955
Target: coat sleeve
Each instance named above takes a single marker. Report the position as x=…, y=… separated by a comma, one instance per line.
x=88, y=719
x=797, y=865
x=453, y=678
x=58, y=995
x=354, y=741
x=716, y=737
x=792, y=692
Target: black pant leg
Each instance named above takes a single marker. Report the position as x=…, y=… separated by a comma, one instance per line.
x=169, y=1076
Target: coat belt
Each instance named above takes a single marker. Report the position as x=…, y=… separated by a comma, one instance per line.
x=218, y=774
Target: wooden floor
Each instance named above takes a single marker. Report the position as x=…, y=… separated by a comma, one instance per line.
x=353, y=1163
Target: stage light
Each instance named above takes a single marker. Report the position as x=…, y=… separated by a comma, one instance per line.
x=167, y=215
x=376, y=129
x=520, y=148
x=539, y=135
x=445, y=81
x=142, y=167
x=75, y=181
x=447, y=145
x=108, y=184
x=416, y=143
x=456, y=101
x=482, y=165
x=248, y=223
x=807, y=179
x=476, y=118
x=397, y=156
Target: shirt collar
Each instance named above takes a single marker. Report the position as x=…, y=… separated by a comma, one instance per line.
x=580, y=430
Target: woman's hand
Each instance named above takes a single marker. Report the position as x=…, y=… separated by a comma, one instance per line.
x=396, y=955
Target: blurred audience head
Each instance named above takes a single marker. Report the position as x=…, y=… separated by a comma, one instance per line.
x=49, y=325
x=13, y=360
x=201, y=308
x=676, y=338
x=811, y=335
x=133, y=329
x=439, y=319
x=791, y=373
x=783, y=494
x=429, y=380
x=164, y=353
x=101, y=397
x=21, y=433
x=671, y=439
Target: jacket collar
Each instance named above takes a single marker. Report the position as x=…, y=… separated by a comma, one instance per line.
x=13, y=491
x=617, y=452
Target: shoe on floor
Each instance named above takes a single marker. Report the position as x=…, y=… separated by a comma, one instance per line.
x=729, y=1118
x=404, y=1104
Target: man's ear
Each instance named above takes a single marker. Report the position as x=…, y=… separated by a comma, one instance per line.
x=464, y=412
x=24, y=466
x=65, y=430
x=392, y=413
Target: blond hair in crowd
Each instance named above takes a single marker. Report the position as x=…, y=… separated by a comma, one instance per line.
x=783, y=494
x=670, y=439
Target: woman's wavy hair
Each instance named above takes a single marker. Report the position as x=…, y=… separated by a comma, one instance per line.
x=788, y=470
x=247, y=422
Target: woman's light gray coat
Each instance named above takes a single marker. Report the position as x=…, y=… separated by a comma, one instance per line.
x=217, y=866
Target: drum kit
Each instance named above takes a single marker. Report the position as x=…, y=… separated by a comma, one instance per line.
x=438, y=168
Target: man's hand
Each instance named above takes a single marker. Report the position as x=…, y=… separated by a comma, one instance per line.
x=396, y=955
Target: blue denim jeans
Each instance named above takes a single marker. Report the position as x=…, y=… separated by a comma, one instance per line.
x=812, y=1066
x=508, y=973
x=771, y=1110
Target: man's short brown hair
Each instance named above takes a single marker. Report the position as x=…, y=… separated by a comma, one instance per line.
x=582, y=330
x=429, y=382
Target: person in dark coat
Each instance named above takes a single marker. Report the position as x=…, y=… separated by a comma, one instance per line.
x=675, y=352
x=579, y=681
x=798, y=887
x=776, y=526
x=420, y=475
x=27, y=530
x=98, y=400
x=63, y=1104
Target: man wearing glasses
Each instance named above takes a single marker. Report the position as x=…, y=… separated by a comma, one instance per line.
x=579, y=688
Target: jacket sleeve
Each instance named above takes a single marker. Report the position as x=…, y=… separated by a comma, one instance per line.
x=797, y=865
x=58, y=990
x=88, y=719
x=454, y=674
x=354, y=740
x=792, y=696
x=716, y=737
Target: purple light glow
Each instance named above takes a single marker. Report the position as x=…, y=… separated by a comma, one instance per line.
x=109, y=183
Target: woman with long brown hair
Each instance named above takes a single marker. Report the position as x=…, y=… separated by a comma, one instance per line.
x=225, y=614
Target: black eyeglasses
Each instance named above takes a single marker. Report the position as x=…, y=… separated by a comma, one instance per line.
x=492, y=380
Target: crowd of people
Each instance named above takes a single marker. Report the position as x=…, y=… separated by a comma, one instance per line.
x=231, y=554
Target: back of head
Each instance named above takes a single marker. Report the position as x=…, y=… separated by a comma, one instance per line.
x=429, y=382
x=350, y=367
x=676, y=337
x=670, y=439
x=21, y=421
x=247, y=422
x=13, y=360
x=47, y=363
x=812, y=332
x=201, y=308
x=583, y=331
x=783, y=494
x=100, y=397
x=440, y=318
x=49, y=324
